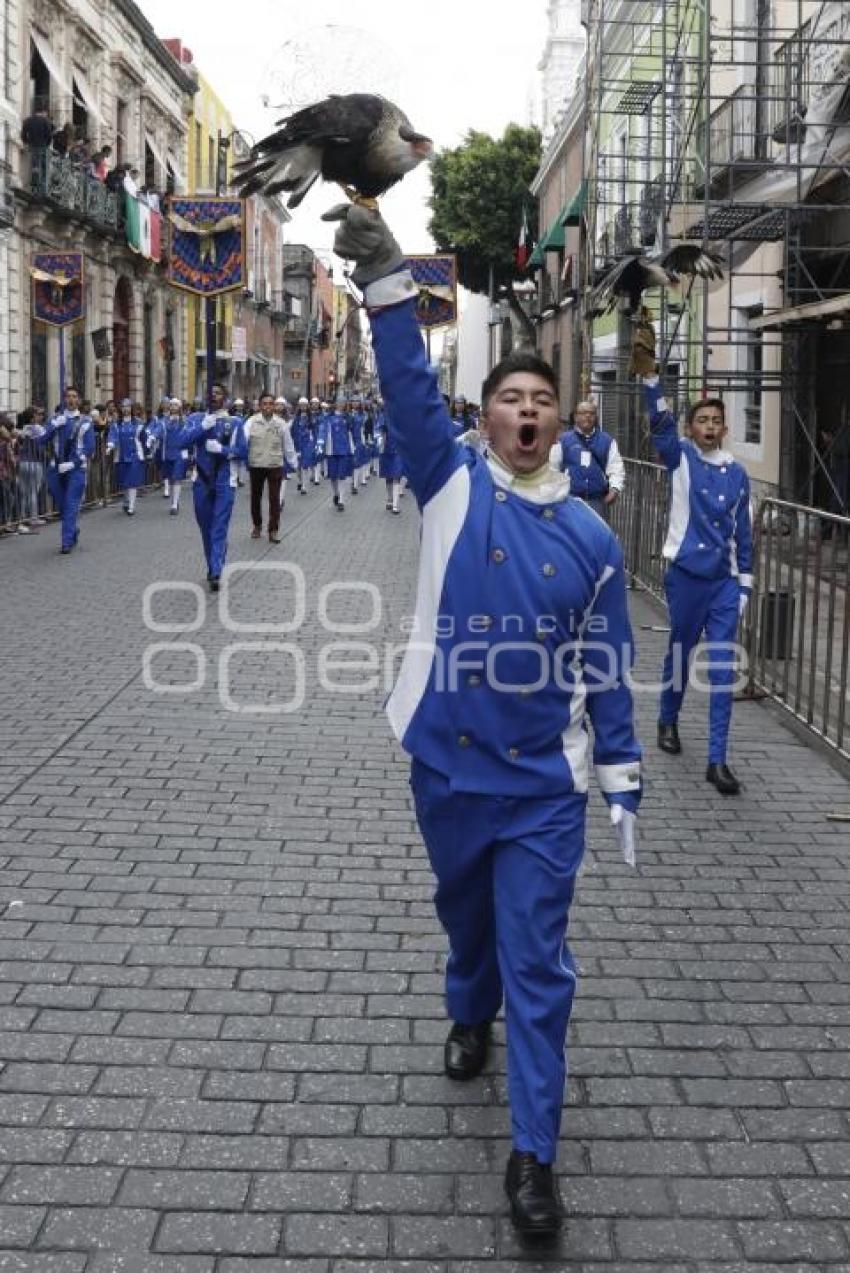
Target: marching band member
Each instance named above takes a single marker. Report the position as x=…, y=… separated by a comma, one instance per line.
x=336, y=446
x=389, y=461
x=173, y=456
x=495, y=724
x=592, y=459
x=709, y=555
x=218, y=442
x=304, y=441
x=125, y=441
x=69, y=440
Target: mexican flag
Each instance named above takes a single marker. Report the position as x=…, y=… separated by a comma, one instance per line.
x=522, y=251
x=144, y=228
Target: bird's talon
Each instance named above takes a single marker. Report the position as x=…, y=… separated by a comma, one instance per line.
x=361, y=200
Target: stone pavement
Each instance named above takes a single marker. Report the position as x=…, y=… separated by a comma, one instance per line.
x=220, y=982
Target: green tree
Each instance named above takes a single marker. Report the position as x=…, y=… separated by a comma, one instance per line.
x=479, y=191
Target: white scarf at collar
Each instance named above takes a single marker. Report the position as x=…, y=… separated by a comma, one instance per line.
x=547, y=485
x=716, y=456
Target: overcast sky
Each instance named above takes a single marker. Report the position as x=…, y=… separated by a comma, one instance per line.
x=453, y=65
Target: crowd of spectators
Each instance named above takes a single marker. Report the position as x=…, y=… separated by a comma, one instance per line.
x=39, y=133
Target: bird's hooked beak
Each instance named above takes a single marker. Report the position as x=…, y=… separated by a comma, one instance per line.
x=420, y=144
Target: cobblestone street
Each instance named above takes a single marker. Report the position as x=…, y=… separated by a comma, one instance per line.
x=220, y=971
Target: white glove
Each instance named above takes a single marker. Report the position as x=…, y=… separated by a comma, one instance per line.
x=65, y=466
x=365, y=238
x=213, y=447
x=743, y=600
x=624, y=823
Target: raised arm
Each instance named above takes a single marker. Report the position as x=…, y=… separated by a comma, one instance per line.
x=662, y=424
x=419, y=423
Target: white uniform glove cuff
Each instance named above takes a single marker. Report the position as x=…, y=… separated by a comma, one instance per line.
x=391, y=290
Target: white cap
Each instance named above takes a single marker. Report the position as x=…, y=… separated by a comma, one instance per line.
x=280, y=399
x=239, y=402
x=174, y=402
x=302, y=402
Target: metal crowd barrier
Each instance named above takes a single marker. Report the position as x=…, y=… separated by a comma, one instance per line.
x=639, y=519
x=24, y=497
x=796, y=629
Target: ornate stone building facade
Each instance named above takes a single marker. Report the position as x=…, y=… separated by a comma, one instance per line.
x=96, y=65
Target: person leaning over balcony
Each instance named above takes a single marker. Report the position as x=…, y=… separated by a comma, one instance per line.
x=709, y=555
x=37, y=129
x=69, y=439
x=491, y=701
x=592, y=459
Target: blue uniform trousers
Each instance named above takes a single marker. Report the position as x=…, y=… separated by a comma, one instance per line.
x=700, y=606
x=213, y=506
x=67, y=491
x=506, y=871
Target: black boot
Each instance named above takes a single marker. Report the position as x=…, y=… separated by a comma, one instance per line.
x=533, y=1194
x=668, y=738
x=466, y=1049
x=723, y=779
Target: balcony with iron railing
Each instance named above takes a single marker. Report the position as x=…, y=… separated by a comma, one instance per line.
x=733, y=140
x=791, y=82
x=68, y=189
x=295, y=329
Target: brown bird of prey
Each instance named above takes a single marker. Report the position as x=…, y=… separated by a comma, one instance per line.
x=360, y=140
x=632, y=276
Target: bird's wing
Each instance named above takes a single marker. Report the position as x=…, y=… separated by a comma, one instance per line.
x=619, y=281
x=691, y=258
x=291, y=159
x=339, y=119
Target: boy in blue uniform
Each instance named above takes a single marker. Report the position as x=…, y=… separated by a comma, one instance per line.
x=592, y=459
x=515, y=578
x=218, y=440
x=69, y=439
x=709, y=555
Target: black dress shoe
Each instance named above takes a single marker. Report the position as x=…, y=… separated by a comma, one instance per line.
x=668, y=739
x=723, y=779
x=533, y=1194
x=466, y=1050
x=214, y=583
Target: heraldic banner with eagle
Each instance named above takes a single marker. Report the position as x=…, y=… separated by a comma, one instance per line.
x=207, y=245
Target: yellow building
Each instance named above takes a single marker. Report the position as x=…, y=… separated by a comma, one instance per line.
x=210, y=161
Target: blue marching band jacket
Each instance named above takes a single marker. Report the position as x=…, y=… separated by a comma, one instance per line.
x=592, y=461
x=709, y=531
x=219, y=469
x=69, y=437
x=521, y=629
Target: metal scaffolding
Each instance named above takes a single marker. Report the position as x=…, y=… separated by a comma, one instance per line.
x=726, y=122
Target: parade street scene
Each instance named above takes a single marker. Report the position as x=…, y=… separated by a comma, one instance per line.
x=425, y=603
